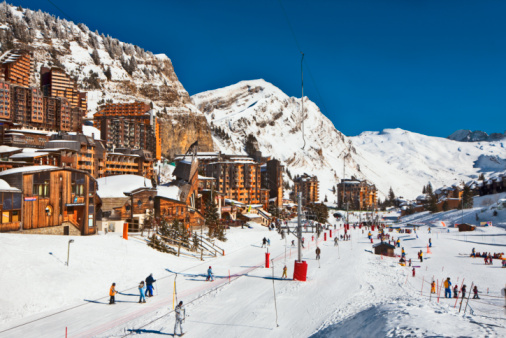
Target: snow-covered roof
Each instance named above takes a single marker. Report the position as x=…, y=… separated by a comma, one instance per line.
x=251, y=216
x=8, y=149
x=172, y=192
x=29, y=169
x=29, y=154
x=4, y=186
x=116, y=186
x=203, y=178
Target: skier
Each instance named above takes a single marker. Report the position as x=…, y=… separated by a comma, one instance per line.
x=149, y=284
x=285, y=269
x=409, y=262
x=142, y=289
x=430, y=243
x=398, y=243
x=473, y=253
x=335, y=241
x=456, y=292
x=421, y=256
x=463, y=291
x=413, y=272
x=268, y=242
x=486, y=260
x=302, y=242
x=475, y=290
x=210, y=275
x=369, y=235
x=429, y=230
x=403, y=253
x=180, y=315
x=264, y=242
x=433, y=287
x=318, y=251
x=293, y=242
x=112, y=293
x=448, y=290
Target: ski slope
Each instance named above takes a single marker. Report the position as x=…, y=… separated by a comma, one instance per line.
x=352, y=293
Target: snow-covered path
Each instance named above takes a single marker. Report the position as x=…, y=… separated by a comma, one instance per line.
x=353, y=293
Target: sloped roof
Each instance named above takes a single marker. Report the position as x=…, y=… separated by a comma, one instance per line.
x=185, y=170
x=4, y=186
x=384, y=244
x=116, y=186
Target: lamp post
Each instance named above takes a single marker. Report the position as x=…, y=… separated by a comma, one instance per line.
x=68, y=251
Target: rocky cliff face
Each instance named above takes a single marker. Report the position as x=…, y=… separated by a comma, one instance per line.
x=179, y=131
x=108, y=69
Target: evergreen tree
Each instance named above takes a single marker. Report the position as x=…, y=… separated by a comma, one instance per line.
x=391, y=197
x=320, y=211
x=274, y=210
x=481, y=177
x=445, y=205
x=429, y=189
x=424, y=190
x=108, y=73
x=95, y=57
x=326, y=200
x=467, y=197
x=211, y=216
x=432, y=203
x=196, y=242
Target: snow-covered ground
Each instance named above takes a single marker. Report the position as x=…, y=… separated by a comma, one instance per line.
x=350, y=292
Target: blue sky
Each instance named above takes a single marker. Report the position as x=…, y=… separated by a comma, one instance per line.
x=426, y=66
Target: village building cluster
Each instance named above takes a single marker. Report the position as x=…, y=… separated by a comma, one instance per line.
x=453, y=197
x=56, y=180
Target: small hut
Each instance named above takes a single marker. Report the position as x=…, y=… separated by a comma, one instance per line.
x=466, y=227
x=384, y=249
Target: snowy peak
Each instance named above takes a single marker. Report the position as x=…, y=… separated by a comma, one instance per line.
x=259, y=111
x=465, y=135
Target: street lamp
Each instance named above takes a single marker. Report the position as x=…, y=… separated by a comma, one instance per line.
x=68, y=251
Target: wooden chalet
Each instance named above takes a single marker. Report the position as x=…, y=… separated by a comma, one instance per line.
x=125, y=199
x=466, y=227
x=384, y=249
x=180, y=198
x=55, y=197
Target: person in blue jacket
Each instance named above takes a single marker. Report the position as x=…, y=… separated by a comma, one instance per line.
x=142, y=290
x=210, y=275
x=149, y=283
x=448, y=288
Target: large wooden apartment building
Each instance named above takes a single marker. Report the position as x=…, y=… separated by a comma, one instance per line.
x=308, y=186
x=239, y=180
x=357, y=194
x=56, y=106
x=129, y=125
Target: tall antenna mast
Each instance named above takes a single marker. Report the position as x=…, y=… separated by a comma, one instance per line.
x=302, y=99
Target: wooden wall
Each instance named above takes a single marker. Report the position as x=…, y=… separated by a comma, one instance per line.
x=34, y=212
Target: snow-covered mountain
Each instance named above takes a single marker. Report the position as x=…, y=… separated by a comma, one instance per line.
x=394, y=158
x=259, y=109
x=466, y=135
x=108, y=70
x=434, y=159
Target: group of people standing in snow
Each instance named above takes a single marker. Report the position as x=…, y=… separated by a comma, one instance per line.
x=145, y=289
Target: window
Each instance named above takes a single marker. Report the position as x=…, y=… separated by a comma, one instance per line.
x=77, y=184
x=41, y=184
